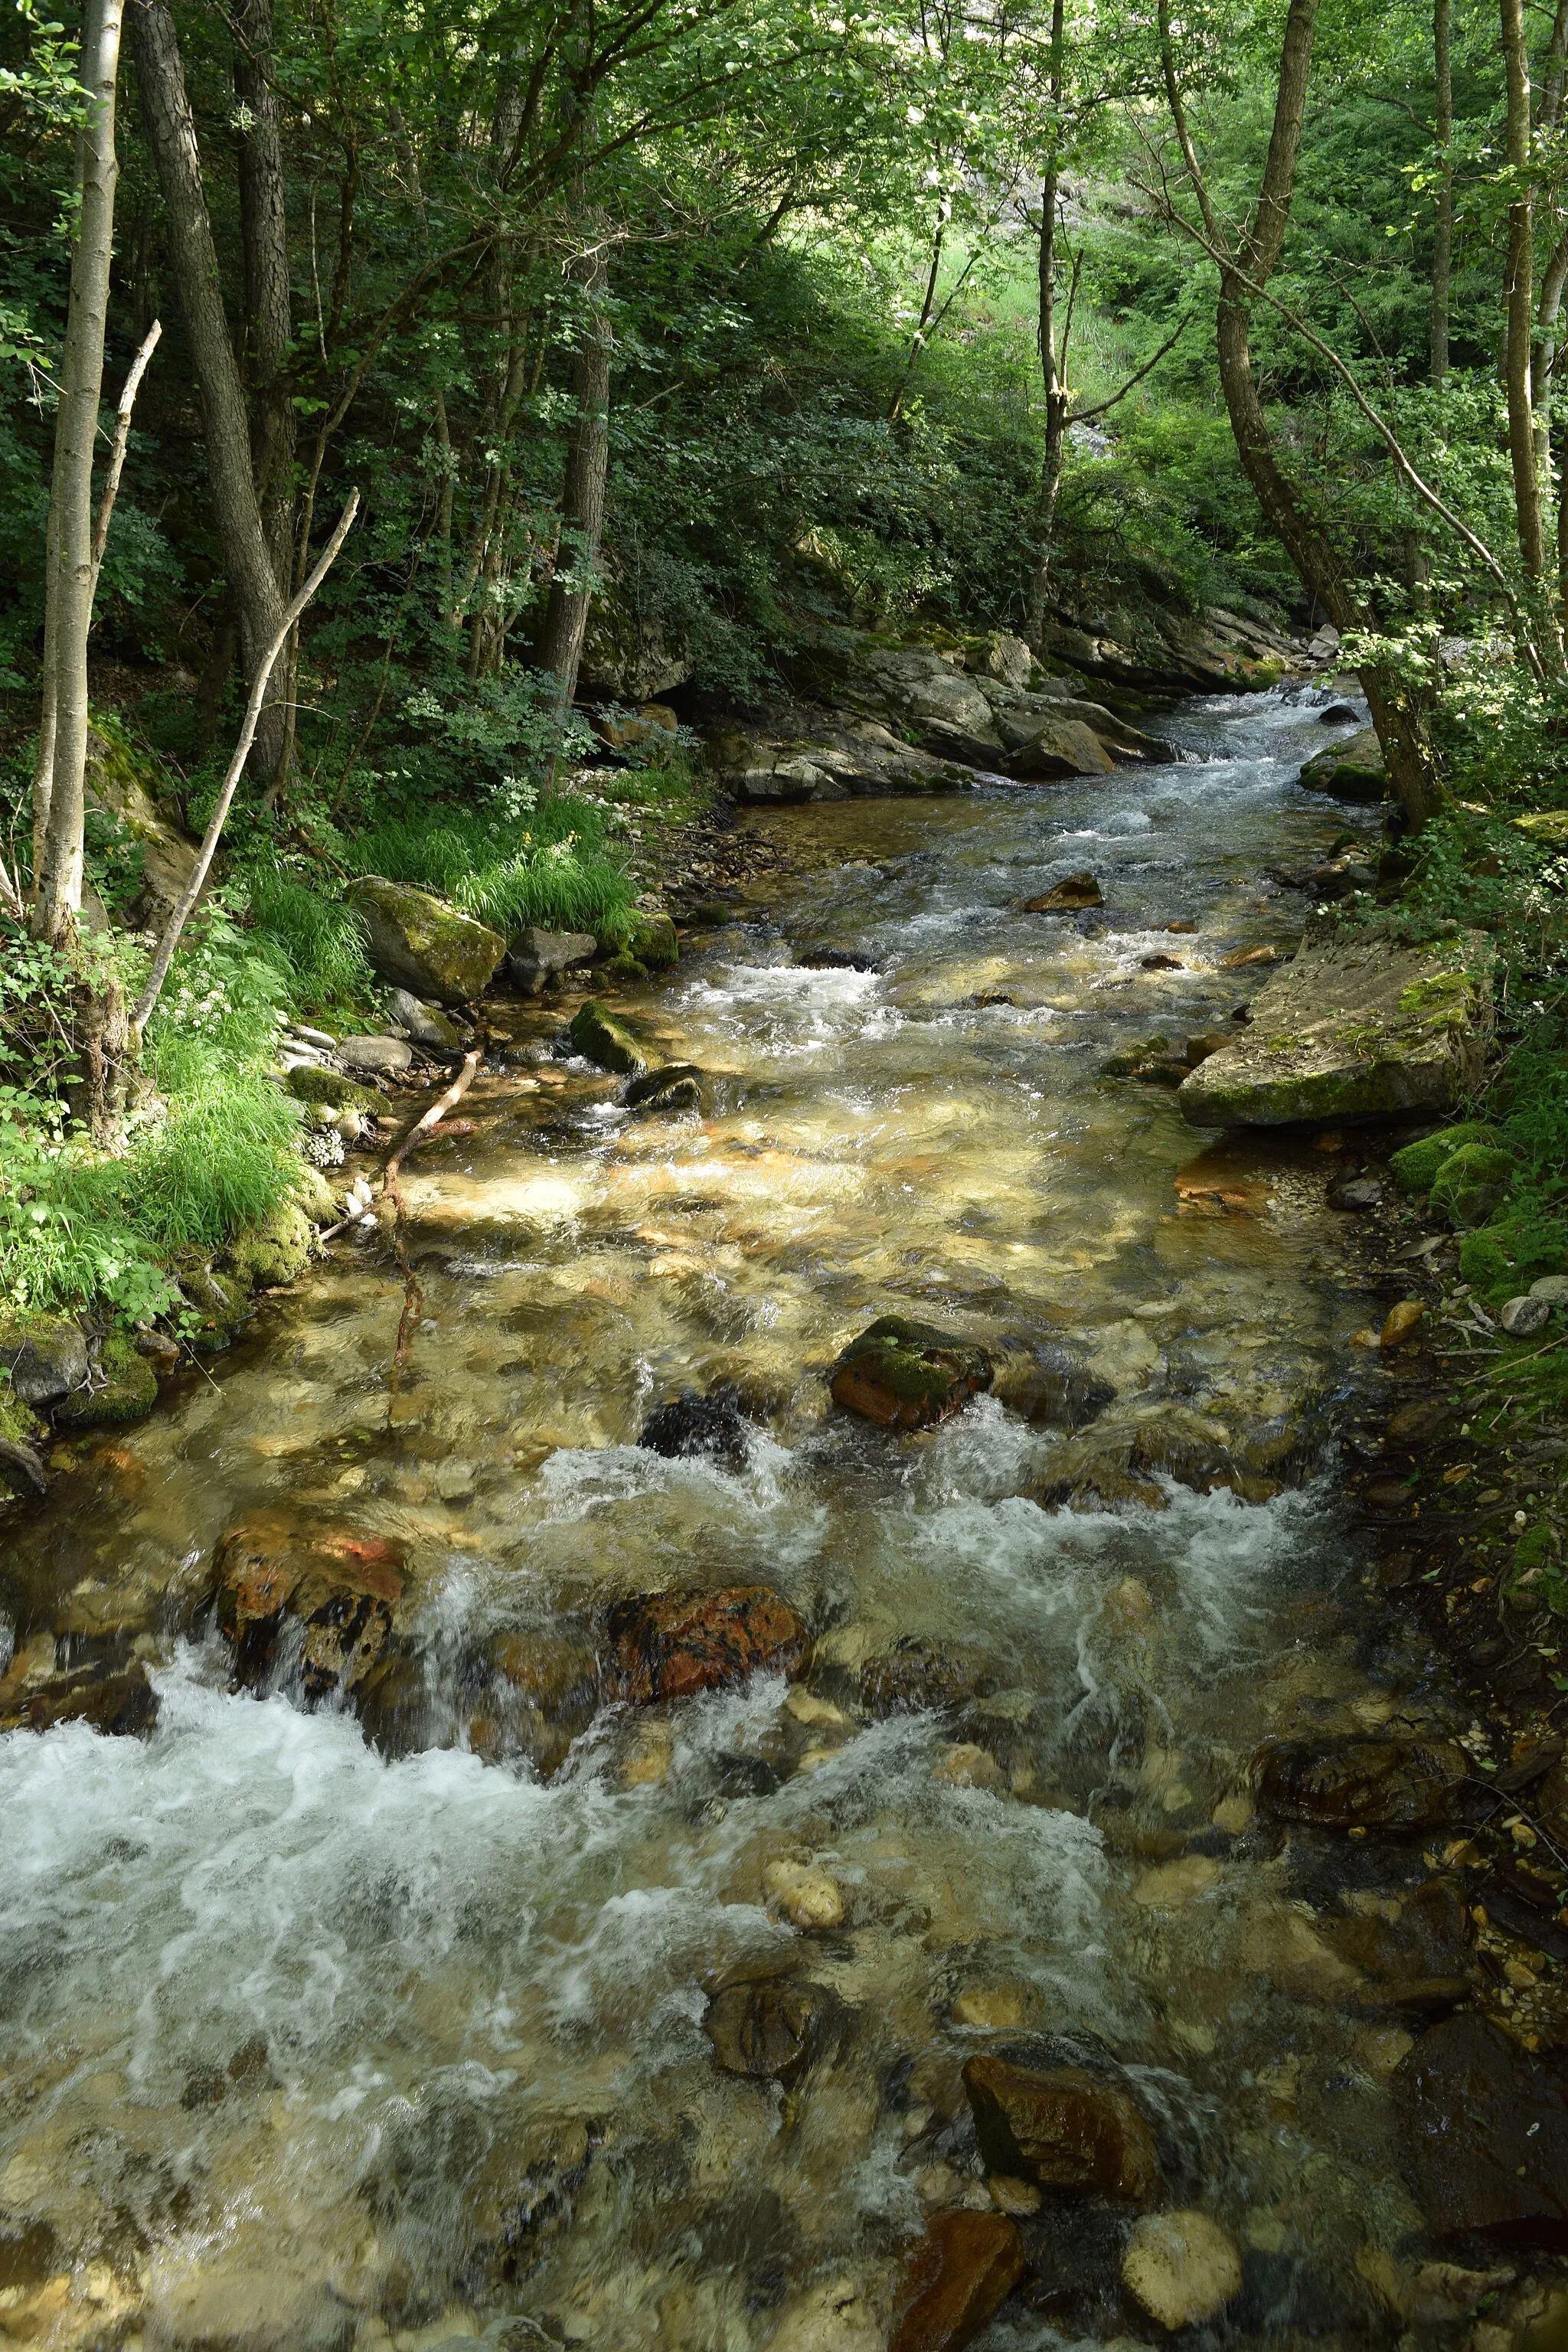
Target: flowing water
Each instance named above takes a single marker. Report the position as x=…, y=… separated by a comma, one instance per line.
x=309, y=2044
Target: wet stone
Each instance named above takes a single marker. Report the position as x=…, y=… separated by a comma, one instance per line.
x=770, y=2029
x=383, y=1057
x=691, y=1426
x=913, y=1677
x=908, y=1375
x=669, y=1645
x=1050, y=1386
x=611, y=1044
x=119, y=1704
x=1355, y=1194
x=1063, y=2128
x=1485, y=2127
x=958, y=2278
x=1074, y=892
x=1182, y=2267
x=1351, y=1783
x=336, y=1586
x=45, y=1361
x=677, y=1087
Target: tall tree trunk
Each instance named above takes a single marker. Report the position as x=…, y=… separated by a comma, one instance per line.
x=70, y=583
x=1051, y=373
x=1520, y=294
x=254, y=583
x=583, y=494
x=1443, y=205
x=264, y=234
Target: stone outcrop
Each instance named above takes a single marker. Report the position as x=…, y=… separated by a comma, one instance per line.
x=908, y=1375
x=670, y=1645
x=418, y=942
x=336, y=1586
x=1211, y=652
x=1360, y=1027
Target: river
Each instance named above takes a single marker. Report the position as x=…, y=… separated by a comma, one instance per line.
x=309, y=2044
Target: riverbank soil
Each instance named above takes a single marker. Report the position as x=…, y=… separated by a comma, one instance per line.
x=1001, y=1859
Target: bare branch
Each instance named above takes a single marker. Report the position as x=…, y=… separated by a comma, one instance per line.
x=121, y=440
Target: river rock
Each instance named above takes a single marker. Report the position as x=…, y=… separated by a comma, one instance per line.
x=123, y=1387
x=915, y=1676
x=46, y=1359
x=1009, y=659
x=1553, y=1288
x=805, y=1897
x=1069, y=897
x=908, y=1375
x=1351, y=771
x=667, y=1646
x=1055, y=746
x=1182, y=2267
x=1352, y=1783
x=692, y=1426
x=1522, y=1318
x=1064, y=2127
x=959, y=2275
x=611, y=1044
x=678, y=1085
x=1355, y=1194
x=769, y=2028
x=332, y=1088
x=540, y=1693
x=1487, y=2131
x=382, y=1057
x=537, y=958
x=338, y=1586
x=426, y=1024
x=1049, y=1385
x=418, y=942
x=119, y=1704
x=1471, y=1183
x=1355, y=1028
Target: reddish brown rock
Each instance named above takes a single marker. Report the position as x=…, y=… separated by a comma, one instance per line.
x=340, y=1586
x=908, y=1375
x=1408, y=1784
x=963, y=2272
x=1069, y=897
x=1064, y=2127
x=674, y=1645
x=1487, y=2130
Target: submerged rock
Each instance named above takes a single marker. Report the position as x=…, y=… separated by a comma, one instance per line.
x=1351, y=1783
x=1182, y=2267
x=1359, y=1027
x=771, y=2028
x=908, y=1375
x=1487, y=2131
x=677, y=1086
x=1050, y=1385
x=418, y=942
x=805, y=1897
x=119, y=1704
x=915, y=1676
x=613, y=1044
x=667, y=1646
x=958, y=2277
x=1069, y=897
x=1064, y=2127
x=691, y=1426
x=337, y=1587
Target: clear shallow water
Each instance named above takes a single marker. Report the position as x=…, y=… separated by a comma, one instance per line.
x=306, y=2044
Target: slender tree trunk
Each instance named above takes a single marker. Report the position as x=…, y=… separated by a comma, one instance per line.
x=1520, y=294
x=70, y=583
x=583, y=495
x=1051, y=368
x=917, y=341
x=254, y=583
x=264, y=234
x=1443, y=204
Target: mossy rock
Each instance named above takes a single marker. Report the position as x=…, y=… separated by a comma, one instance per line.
x=645, y=940
x=1471, y=1183
x=1351, y=771
x=315, y=1195
x=601, y=1038
x=309, y=1083
x=1414, y=1166
x=675, y=1085
x=418, y=942
x=125, y=1389
x=272, y=1251
x=908, y=1375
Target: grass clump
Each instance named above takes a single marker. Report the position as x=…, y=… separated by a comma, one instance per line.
x=551, y=867
x=316, y=941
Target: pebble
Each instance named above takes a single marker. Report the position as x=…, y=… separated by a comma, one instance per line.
x=1181, y=2267
x=1014, y=2198
x=1522, y=1319
x=999, y=2008
x=805, y=1897
x=820, y=1712
x=1401, y=1323
x=1234, y=1813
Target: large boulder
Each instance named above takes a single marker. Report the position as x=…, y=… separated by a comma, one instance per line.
x=1062, y=2126
x=963, y=2271
x=538, y=959
x=1351, y=771
x=167, y=857
x=418, y=942
x=908, y=1375
x=1487, y=2131
x=1375, y=1782
x=338, y=1587
x=1360, y=1027
x=1057, y=746
x=669, y=1645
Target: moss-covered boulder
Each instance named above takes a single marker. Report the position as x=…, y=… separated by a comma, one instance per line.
x=44, y=1357
x=1414, y=1166
x=613, y=1044
x=1351, y=771
x=261, y=1256
x=677, y=1086
x=908, y=1375
x=1360, y=1025
x=309, y=1083
x=638, y=943
x=1471, y=1183
x=124, y=1387
x=418, y=942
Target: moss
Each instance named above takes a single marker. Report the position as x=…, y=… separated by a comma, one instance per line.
x=916, y=1361
x=636, y=939
x=1500, y=1259
x=599, y=1037
x=1471, y=1182
x=271, y=1251
x=1414, y=1166
x=125, y=1389
x=416, y=941
x=19, y=1424
x=309, y=1084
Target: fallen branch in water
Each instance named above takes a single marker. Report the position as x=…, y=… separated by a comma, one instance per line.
x=425, y=1125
